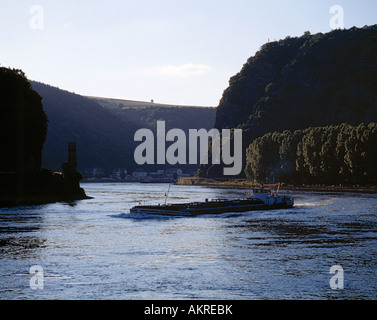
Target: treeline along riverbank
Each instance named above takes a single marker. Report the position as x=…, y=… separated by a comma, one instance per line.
x=247, y=185
x=330, y=155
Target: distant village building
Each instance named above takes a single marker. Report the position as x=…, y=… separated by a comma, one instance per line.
x=173, y=173
x=119, y=174
x=98, y=172
x=140, y=174
x=93, y=173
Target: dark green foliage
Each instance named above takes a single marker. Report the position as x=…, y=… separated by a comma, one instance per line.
x=184, y=118
x=103, y=140
x=23, y=123
x=309, y=81
x=105, y=133
x=23, y=129
x=341, y=154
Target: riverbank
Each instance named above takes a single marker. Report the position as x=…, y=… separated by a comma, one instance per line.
x=38, y=188
x=352, y=189
x=36, y=200
x=246, y=184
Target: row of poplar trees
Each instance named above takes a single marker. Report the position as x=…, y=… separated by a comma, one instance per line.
x=337, y=154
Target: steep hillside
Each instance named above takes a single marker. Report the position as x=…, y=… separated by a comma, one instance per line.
x=297, y=83
x=104, y=128
x=145, y=114
x=103, y=140
x=23, y=123
x=23, y=128
x=302, y=82
x=121, y=103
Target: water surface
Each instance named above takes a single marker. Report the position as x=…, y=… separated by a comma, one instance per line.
x=95, y=249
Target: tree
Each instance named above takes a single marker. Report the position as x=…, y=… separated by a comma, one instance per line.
x=23, y=123
x=322, y=155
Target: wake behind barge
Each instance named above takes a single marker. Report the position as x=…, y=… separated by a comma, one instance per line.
x=259, y=199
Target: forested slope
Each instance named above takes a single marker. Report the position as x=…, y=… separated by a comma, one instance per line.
x=304, y=82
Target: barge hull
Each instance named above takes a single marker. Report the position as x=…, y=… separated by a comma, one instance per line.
x=156, y=210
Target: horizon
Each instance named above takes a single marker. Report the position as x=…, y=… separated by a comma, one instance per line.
x=119, y=99
x=175, y=53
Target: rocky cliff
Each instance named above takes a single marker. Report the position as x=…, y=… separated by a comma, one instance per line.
x=307, y=81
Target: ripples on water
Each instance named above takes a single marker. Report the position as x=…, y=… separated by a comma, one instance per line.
x=95, y=249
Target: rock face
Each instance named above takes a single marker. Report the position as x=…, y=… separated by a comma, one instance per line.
x=297, y=83
x=23, y=123
x=23, y=128
x=43, y=186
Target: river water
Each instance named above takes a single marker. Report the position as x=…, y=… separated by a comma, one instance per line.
x=95, y=249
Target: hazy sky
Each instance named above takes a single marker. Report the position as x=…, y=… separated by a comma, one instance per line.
x=172, y=51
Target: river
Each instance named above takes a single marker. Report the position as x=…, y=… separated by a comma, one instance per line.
x=95, y=249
